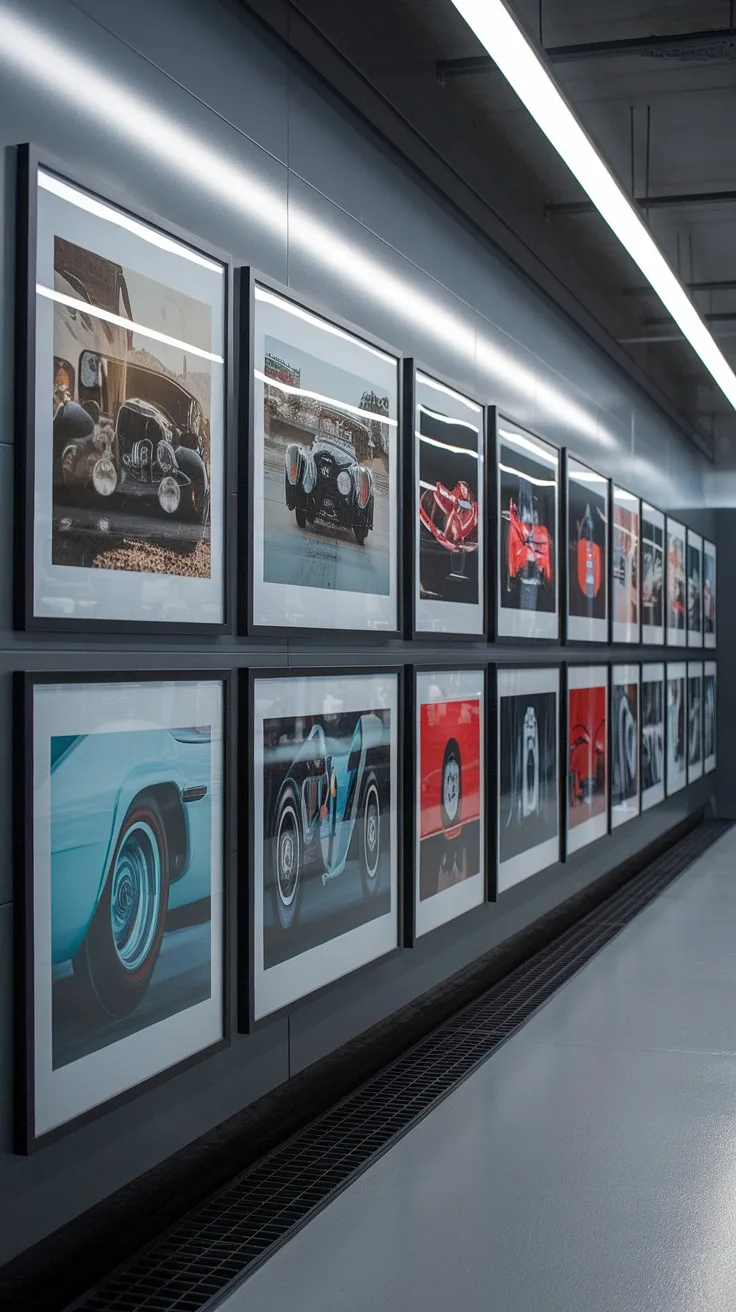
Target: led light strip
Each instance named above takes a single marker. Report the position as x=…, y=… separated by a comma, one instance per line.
x=517, y=59
x=96, y=312
x=371, y=415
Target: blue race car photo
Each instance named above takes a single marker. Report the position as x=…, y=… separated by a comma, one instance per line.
x=326, y=800
x=130, y=842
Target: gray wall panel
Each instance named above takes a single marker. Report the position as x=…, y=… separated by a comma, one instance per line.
x=194, y=115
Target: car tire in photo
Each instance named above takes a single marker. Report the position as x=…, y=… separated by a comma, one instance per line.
x=370, y=834
x=452, y=786
x=195, y=499
x=287, y=858
x=120, y=951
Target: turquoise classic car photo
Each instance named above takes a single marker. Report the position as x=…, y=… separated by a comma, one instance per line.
x=130, y=843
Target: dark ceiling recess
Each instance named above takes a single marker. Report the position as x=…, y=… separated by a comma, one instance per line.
x=654, y=84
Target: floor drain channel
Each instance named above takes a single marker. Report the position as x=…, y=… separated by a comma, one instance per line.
x=203, y=1257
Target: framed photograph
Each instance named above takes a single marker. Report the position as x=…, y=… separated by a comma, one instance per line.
x=676, y=585
x=528, y=772
x=324, y=496
x=587, y=553
x=625, y=770
x=121, y=413
x=709, y=594
x=652, y=755
x=448, y=787
x=587, y=765
x=709, y=716
x=694, y=721
x=652, y=576
x=447, y=446
x=625, y=566
x=676, y=736
x=694, y=589
x=527, y=480
x=324, y=830
x=122, y=887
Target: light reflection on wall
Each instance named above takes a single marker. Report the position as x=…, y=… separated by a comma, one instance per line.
x=47, y=60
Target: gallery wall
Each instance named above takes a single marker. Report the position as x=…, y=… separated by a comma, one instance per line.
x=198, y=117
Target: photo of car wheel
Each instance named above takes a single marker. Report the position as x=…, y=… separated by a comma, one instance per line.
x=451, y=797
x=120, y=951
x=370, y=850
x=287, y=858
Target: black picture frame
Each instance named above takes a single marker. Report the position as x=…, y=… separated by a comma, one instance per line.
x=614, y=665
x=604, y=634
x=672, y=523
x=710, y=640
x=695, y=644
x=514, y=667
x=411, y=838
x=605, y=666
x=649, y=665
x=497, y=416
x=247, y=278
x=31, y=159
x=710, y=670
x=693, y=774
x=647, y=639
x=615, y=487
x=411, y=366
x=668, y=677
x=248, y=1023
x=26, y=1140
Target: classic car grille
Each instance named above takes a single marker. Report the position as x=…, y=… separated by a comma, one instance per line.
x=132, y=426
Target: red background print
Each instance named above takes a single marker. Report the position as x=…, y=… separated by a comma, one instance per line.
x=439, y=722
x=587, y=778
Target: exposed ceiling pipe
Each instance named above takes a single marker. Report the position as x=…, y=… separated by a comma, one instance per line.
x=716, y=45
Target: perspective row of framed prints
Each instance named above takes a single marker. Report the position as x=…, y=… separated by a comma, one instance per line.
x=158, y=411
x=374, y=808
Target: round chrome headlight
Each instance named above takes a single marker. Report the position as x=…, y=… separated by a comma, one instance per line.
x=343, y=482
x=104, y=477
x=169, y=494
x=165, y=457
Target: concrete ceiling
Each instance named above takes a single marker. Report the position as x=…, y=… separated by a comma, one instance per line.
x=685, y=107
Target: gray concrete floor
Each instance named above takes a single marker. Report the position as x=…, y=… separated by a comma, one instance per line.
x=589, y=1166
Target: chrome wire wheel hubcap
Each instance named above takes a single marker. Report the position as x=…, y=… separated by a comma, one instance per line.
x=136, y=896
x=451, y=788
x=287, y=856
x=372, y=822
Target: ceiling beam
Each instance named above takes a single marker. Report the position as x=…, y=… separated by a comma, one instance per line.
x=718, y=44
x=725, y=316
x=558, y=209
x=714, y=285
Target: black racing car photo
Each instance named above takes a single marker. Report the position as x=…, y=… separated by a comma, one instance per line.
x=325, y=481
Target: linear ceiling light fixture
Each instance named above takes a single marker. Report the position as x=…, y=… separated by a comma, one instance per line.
x=515, y=56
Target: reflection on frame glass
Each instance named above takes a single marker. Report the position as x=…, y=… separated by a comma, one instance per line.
x=676, y=585
x=450, y=873
x=676, y=726
x=652, y=734
x=325, y=862
x=709, y=716
x=694, y=589
x=652, y=575
x=528, y=810
x=449, y=510
x=324, y=499
x=624, y=743
x=694, y=721
x=126, y=785
x=129, y=427
x=528, y=482
x=625, y=557
x=709, y=594
x=587, y=765
x=587, y=554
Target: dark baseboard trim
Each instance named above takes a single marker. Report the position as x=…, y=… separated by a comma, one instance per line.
x=58, y=1269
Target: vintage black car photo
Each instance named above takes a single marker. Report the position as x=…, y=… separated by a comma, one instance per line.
x=325, y=481
x=131, y=438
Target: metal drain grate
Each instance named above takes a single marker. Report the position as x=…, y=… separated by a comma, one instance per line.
x=203, y=1257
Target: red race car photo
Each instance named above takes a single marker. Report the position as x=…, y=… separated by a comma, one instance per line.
x=587, y=752
x=529, y=548
x=451, y=516
x=450, y=781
